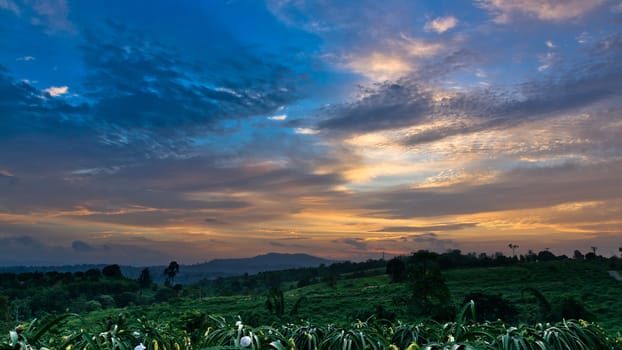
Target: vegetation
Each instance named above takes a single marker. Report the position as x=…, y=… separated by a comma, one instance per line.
x=220, y=333
x=517, y=302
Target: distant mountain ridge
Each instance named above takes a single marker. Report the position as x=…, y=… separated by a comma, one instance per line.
x=195, y=272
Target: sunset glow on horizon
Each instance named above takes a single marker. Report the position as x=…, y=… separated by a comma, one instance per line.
x=143, y=132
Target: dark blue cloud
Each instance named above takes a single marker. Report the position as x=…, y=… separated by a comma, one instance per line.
x=137, y=83
x=81, y=246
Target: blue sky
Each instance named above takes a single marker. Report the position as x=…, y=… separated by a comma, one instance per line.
x=140, y=132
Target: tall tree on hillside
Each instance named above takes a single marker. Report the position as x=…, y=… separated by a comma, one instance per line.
x=430, y=295
x=396, y=269
x=144, y=280
x=170, y=272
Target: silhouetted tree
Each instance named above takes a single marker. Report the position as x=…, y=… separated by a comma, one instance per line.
x=424, y=260
x=144, y=280
x=578, y=255
x=546, y=255
x=513, y=247
x=112, y=271
x=275, y=302
x=92, y=274
x=396, y=269
x=594, y=249
x=570, y=308
x=531, y=256
x=170, y=272
x=430, y=295
x=331, y=278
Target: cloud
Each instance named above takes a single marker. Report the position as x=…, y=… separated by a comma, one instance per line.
x=410, y=103
x=358, y=243
x=432, y=242
x=380, y=66
x=550, y=44
x=81, y=246
x=25, y=241
x=397, y=58
x=517, y=189
x=441, y=24
x=281, y=244
x=504, y=11
x=56, y=91
x=420, y=48
x=213, y=221
x=389, y=105
x=584, y=38
x=52, y=14
x=26, y=58
x=10, y=6
x=140, y=85
x=306, y=131
x=337, y=19
x=443, y=227
x=547, y=60
x=278, y=117
x=5, y=173
x=26, y=250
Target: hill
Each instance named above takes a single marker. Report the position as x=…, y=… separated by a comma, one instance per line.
x=196, y=272
x=234, y=267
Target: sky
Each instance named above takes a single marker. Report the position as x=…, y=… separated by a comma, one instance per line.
x=142, y=132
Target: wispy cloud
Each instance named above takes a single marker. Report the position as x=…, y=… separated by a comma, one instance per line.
x=306, y=131
x=358, y=243
x=278, y=117
x=56, y=91
x=504, y=11
x=443, y=227
x=54, y=15
x=6, y=173
x=441, y=24
x=380, y=67
x=10, y=6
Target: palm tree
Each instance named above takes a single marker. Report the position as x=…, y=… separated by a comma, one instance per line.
x=513, y=247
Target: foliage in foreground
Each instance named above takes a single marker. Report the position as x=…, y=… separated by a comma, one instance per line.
x=221, y=333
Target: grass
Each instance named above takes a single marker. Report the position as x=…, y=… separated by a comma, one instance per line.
x=586, y=282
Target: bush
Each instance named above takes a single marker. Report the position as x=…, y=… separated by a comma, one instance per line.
x=570, y=308
x=490, y=307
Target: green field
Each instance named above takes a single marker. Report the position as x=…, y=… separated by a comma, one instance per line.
x=588, y=283
x=348, y=300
